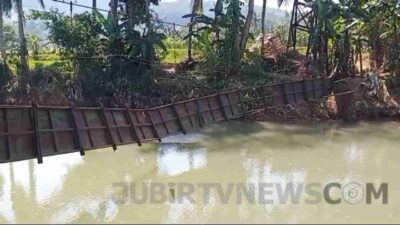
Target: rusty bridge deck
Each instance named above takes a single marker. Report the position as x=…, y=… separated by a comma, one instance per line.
x=28, y=132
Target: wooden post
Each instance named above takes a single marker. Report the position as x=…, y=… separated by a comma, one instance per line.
x=75, y=126
x=199, y=112
x=152, y=125
x=221, y=103
x=178, y=118
x=37, y=133
x=135, y=135
x=108, y=130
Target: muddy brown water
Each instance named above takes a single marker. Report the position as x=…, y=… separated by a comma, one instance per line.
x=72, y=189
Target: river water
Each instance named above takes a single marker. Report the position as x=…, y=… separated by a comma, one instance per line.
x=97, y=188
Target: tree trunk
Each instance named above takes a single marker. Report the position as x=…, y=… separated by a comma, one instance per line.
x=22, y=39
x=94, y=4
x=114, y=9
x=235, y=35
x=149, y=32
x=130, y=8
x=190, y=40
x=246, y=31
x=2, y=38
x=264, y=9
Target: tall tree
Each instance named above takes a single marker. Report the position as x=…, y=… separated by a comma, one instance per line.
x=94, y=4
x=22, y=39
x=5, y=8
x=246, y=29
x=264, y=9
x=197, y=7
x=114, y=10
x=23, y=51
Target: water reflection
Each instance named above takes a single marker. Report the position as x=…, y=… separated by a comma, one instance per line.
x=174, y=159
x=72, y=189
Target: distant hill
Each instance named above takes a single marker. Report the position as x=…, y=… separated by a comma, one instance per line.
x=167, y=11
x=173, y=12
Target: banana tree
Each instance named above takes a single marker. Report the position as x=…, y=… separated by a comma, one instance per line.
x=197, y=8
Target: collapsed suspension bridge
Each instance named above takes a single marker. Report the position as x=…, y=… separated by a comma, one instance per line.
x=33, y=131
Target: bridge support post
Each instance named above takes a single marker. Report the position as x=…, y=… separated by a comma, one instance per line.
x=103, y=116
x=35, y=121
x=135, y=135
x=76, y=130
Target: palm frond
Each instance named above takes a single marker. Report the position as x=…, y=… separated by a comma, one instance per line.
x=197, y=6
x=41, y=2
x=280, y=2
x=6, y=6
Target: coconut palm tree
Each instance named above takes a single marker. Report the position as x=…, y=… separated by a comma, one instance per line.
x=264, y=9
x=5, y=8
x=197, y=7
x=22, y=39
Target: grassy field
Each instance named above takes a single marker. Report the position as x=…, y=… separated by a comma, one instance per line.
x=174, y=55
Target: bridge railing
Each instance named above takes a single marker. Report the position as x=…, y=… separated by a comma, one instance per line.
x=32, y=131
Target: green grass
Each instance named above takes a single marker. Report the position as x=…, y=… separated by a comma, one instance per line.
x=175, y=55
x=34, y=63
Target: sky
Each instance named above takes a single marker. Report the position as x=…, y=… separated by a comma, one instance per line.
x=103, y=4
x=33, y=4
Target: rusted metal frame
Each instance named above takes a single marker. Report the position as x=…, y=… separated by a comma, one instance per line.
x=140, y=125
x=252, y=99
x=294, y=92
x=241, y=104
x=199, y=113
x=264, y=96
x=324, y=87
x=117, y=126
x=52, y=128
x=211, y=109
x=188, y=114
x=313, y=89
x=87, y=126
x=303, y=18
x=155, y=132
x=108, y=130
x=222, y=106
x=163, y=122
x=15, y=106
x=17, y=133
x=160, y=107
x=185, y=101
x=35, y=121
x=132, y=126
x=9, y=156
x=305, y=92
x=88, y=108
x=285, y=99
x=230, y=103
x=75, y=127
x=179, y=119
x=52, y=107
